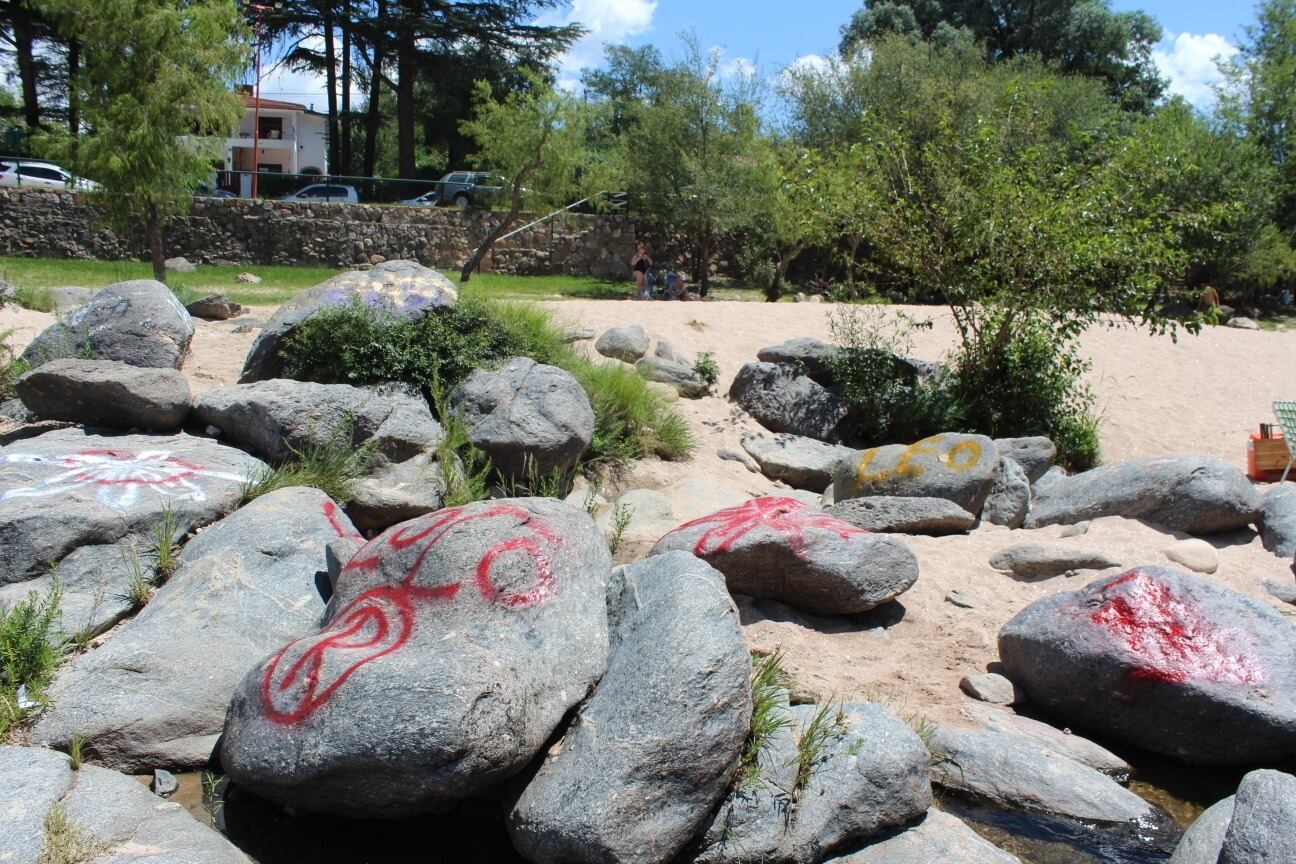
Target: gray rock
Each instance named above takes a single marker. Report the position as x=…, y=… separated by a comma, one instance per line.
x=271, y=419
x=666, y=351
x=785, y=399
x=1278, y=520
x=578, y=334
x=1284, y=591
x=872, y=774
x=780, y=549
x=214, y=307
x=741, y=457
x=139, y=322
x=627, y=343
x=1204, y=839
x=958, y=468
x=961, y=598
x=403, y=289
x=1193, y=494
x=1264, y=813
x=1035, y=454
x=1048, y=480
x=156, y=693
x=115, y=817
x=14, y=411
x=1240, y=323
x=1046, y=560
x=651, y=754
x=1010, y=496
x=71, y=493
x=993, y=688
x=680, y=376
x=180, y=265
x=451, y=651
x=1195, y=554
x=1072, y=746
x=94, y=583
x=393, y=492
x=528, y=418
x=106, y=393
x=164, y=783
x=1164, y=660
x=802, y=463
x=1012, y=771
x=814, y=356
x=938, y=839
x=934, y=516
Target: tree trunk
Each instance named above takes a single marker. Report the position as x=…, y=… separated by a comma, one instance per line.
x=405, y=65
x=372, y=116
x=73, y=97
x=23, y=47
x=704, y=263
x=153, y=230
x=346, y=87
x=330, y=78
x=501, y=229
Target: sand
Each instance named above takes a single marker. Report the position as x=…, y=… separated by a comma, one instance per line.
x=1203, y=394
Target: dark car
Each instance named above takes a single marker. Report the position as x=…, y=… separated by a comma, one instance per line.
x=466, y=189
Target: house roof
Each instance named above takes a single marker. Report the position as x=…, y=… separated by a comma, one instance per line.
x=275, y=104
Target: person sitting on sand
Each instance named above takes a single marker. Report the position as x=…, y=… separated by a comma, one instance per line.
x=641, y=264
x=676, y=287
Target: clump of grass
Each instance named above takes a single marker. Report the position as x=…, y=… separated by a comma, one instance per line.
x=77, y=750
x=769, y=683
x=828, y=722
x=630, y=419
x=140, y=581
x=554, y=484
x=184, y=293
x=466, y=468
x=65, y=843
x=30, y=647
x=621, y=516
x=330, y=463
x=166, y=543
x=707, y=368
x=36, y=299
x=12, y=367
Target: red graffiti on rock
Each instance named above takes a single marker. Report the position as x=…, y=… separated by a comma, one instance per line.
x=334, y=517
x=303, y=676
x=1173, y=642
x=787, y=516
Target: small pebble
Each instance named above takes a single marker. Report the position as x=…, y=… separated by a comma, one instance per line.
x=961, y=598
x=1197, y=555
x=164, y=783
x=992, y=688
x=1077, y=530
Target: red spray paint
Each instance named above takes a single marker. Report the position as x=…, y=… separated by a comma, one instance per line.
x=787, y=516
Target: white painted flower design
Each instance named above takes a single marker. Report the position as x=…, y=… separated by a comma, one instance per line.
x=118, y=476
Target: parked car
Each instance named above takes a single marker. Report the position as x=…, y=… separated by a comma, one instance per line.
x=334, y=192
x=41, y=175
x=466, y=189
x=207, y=190
x=427, y=199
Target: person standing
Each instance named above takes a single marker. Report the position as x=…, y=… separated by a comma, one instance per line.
x=641, y=264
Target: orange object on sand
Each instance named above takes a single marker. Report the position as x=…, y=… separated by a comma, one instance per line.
x=1266, y=457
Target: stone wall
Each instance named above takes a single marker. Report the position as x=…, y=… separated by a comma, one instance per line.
x=229, y=230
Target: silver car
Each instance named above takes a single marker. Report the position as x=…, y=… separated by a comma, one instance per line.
x=329, y=192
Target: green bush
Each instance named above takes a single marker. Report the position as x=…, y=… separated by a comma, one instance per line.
x=11, y=366
x=30, y=648
x=355, y=345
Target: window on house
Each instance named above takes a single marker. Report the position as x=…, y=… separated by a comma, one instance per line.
x=271, y=127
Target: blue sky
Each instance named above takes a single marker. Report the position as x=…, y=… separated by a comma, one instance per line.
x=776, y=33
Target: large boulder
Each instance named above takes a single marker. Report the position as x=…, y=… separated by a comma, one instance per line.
x=627, y=344
x=814, y=356
x=1194, y=494
x=529, y=418
x=88, y=505
x=802, y=463
x=452, y=649
x=1204, y=839
x=958, y=468
x=1013, y=771
x=55, y=813
x=1067, y=743
x=156, y=693
x=106, y=393
x=1163, y=660
x=272, y=419
x=1035, y=454
x=139, y=322
x=870, y=773
x=780, y=549
x=783, y=398
x=1010, y=496
x=679, y=376
x=938, y=839
x=1252, y=827
x=651, y=754
x=404, y=290
x=1278, y=520
x=889, y=514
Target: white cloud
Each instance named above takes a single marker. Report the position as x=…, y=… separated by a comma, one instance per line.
x=738, y=67
x=605, y=22
x=1190, y=62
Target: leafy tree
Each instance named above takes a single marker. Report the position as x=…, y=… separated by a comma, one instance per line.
x=535, y=140
x=1082, y=36
x=158, y=79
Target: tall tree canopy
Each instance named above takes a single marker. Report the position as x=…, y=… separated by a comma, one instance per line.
x=1082, y=36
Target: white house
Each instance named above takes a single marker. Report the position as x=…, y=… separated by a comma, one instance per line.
x=293, y=139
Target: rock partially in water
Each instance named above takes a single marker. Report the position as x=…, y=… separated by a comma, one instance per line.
x=156, y=693
x=1264, y=815
x=1072, y=746
x=938, y=839
x=452, y=649
x=958, y=468
x=653, y=751
x=1193, y=494
x=780, y=549
x=1164, y=660
x=1202, y=842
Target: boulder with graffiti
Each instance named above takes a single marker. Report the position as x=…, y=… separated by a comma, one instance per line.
x=1163, y=660
x=88, y=508
x=453, y=647
x=958, y=468
x=781, y=549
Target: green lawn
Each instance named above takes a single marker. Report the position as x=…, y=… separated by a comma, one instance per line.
x=279, y=283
